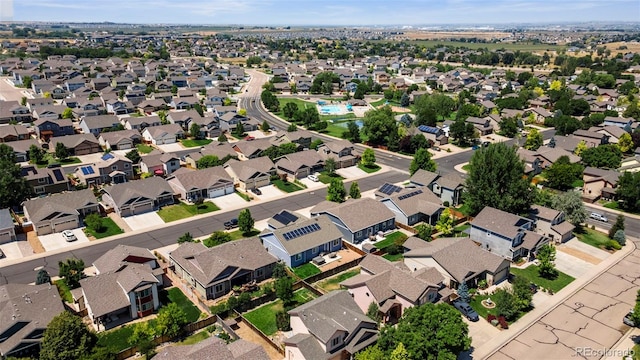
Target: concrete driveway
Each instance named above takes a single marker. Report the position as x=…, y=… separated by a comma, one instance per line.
x=174, y=147
x=575, y=258
x=311, y=184
x=268, y=192
x=351, y=172
x=480, y=331
x=230, y=201
x=143, y=221
x=11, y=250
x=56, y=241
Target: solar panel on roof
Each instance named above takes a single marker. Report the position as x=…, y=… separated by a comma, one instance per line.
x=107, y=156
x=58, y=174
x=87, y=170
x=428, y=129
x=389, y=189
x=301, y=231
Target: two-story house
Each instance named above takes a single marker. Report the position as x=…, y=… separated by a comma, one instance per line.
x=45, y=180
x=551, y=223
x=342, y=151
x=47, y=128
x=412, y=206
x=77, y=144
x=448, y=187
x=160, y=164
x=11, y=133
x=111, y=169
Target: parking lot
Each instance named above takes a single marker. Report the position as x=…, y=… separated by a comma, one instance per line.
x=56, y=241
x=143, y=221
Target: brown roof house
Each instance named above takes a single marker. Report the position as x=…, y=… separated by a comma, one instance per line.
x=125, y=286
x=159, y=163
x=357, y=219
x=551, y=223
x=138, y=197
x=412, y=206
x=300, y=164
x=78, y=144
x=25, y=313
x=60, y=212
x=599, y=183
x=214, y=348
x=459, y=260
x=119, y=140
x=330, y=327
x=342, y=151
x=21, y=148
x=392, y=287
x=163, y=134
x=111, y=169
x=206, y=183
x=213, y=272
x=251, y=174
x=10, y=133
x=505, y=234
x=45, y=180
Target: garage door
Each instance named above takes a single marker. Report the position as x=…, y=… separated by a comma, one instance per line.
x=43, y=229
x=216, y=192
x=501, y=275
x=82, y=151
x=229, y=189
x=124, y=146
x=65, y=225
x=5, y=237
x=262, y=182
x=169, y=141
x=141, y=208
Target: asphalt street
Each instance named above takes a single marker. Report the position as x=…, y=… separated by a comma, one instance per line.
x=631, y=225
x=169, y=233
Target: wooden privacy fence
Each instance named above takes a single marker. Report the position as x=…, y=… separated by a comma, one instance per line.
x=335, y=270
x=261, y=334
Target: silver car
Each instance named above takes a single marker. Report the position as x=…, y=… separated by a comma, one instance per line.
x=69, y=236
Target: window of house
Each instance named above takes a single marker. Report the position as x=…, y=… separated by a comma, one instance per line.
x=297, y=257
x=114, y=167
x=126, y=165
x=39, y=189
x=259, y=273
x=314, y=250
x=335, y=242
x=335, y=341
x=42, y=180
x=359, y=234
x=218, y=288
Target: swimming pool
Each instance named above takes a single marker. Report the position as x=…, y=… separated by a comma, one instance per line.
x=331, y=109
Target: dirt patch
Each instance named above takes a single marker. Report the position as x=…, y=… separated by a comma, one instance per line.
x=35, y=243
x=248, y=334
x=631, y=46
x=580, y=255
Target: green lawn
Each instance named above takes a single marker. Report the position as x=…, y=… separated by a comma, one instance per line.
x=301, y=105
x=531, y=273
x=49, y=159
x=287, y=186
x=592, y=237
x=182, y=211
x=369, y=169
x=237, y=234
x=195, y=142
x=116, y=339
x=476, y=304
x=325, y=178
x=578, y=183
x=144, y=149
x=63, y=289
x=176, y=296
x=390, y=239
x=264, y=317
x=459, y=230
x=334, y=130
x=195, y=338
x=306, y=270
x=393, y=257
x=466, y=167
x=243, y=195
x=346, y=116
x=109, y=228
x=333, y=283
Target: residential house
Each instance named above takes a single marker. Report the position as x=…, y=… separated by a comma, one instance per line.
x=251, y=149
x=330, y=327
x=97, y=124
x=12, y=111
x=46, y=128
x=448, y=187
x=21, y=148
x=252, y=173
x=599, y=183
x=120, y=140
x=206, y=183
x=138, y=197
x=302, y=241
x=551, y=223
x=592, y=139
x=140, y=123
x=239, y=349
x=60, y=212
x=7, y=228
x=119, y=107
x=300, y=137
x=434, y=135
x=159, y=164
x=392, y=287
x=412, y=206
x=342, y=151
x=182, y=118
x=163, y=134
x=152, y=105
x=9, y=133
x=26, y=311
x=209, y=126
x=45, y=180
x=483, y=126
x=78, y=144
x=213, y=272
x=52, y=112
x=357, y=219
x=112, y=169
x=218, y=149
x=300, y=164
x=229, y=121
x=459, y=260
x=618, y=121
x=613, y=132
x=505, y=234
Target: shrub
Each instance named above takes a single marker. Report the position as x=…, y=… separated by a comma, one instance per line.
x=503, y=322
x=612, y=245
x=482, y=284
x=211, y=329
x=244, y=300
x=392, y=249
x=218, y=309
x=282, y=321
x=491, y=317
x=620, y=237
x=445, y=204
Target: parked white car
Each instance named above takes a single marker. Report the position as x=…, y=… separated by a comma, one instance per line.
x=599, y=217
x=69, y=236
x=313, y=177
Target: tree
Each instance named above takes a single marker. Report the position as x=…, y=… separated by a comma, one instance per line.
x=380, y=127
x=636, y=311
x=373, y=312
x=570, y=203
x=289, y=110
x=265, y=127
x=66, y=338
x=171, y=320
x=217, y=238
x=330, y=166
x=43, y=277
x=628, y=191
x=445, y=223
x=354, y=190
x=336, y=191
x=352, y=133
x=620, y=237
x=185, y=238
x=399, y=353
x=222, y=138
x=284, y=290
x=371, y=353
x=208, y=161
x=404, y=100
x=618, y=225
x=238, y=131
x=562, y=174
x=368, y=157
x=463, y=292
x=496, y=179
x=71, y=271
x=279, y=270
x=547, y=255
x=134, y=156
x=416, y=329
x=61, y=151
x=245, y=221
x=509, y=127
x=142, y=338
x=625, y=143
x=67, y=113
x=292, y=128
x=505, y=303
x=36, y=154
x=580, y=148
x=464, y=132
x=422, y=160
x=534, y=140
x=94, y=222
x=283, y=320
x=522, y=294
x=424, y=231
x=14, y=188
x=194, y=131
x=603, y=156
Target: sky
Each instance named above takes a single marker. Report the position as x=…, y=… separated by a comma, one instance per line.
x=327, y=12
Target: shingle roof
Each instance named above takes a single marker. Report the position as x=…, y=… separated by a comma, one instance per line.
x=214, y=348
x=113, y=259
x=201, y=179
x=71, y=141
x=412, y=201
x=6, y=221
x=296, y=161
x=308, y=346
x=150, y=188
x=244, y=170
x=423, y=177
x=162, y=130
x=499, y=222
x=543, y=212
x=114, y=137
x=68, y=202
x=101, y=121
x=327, y=232
x=356, y=214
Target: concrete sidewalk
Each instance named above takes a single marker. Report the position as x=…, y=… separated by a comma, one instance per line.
x=624, y=347
x=495, y=344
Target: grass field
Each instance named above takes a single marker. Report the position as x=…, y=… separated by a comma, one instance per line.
x=390, y=239
x=393, y=257
x=264, y=317
x=195, y=338
x=49, y=159
x=592, y=237
x=466, y=167
x=524, y=46
x=306, y=270
x=325, y=178
x=300, y=103
x=116, y=339
x=109, y=229
x=333, y=283
x=244, y=196
x=182, y=211
x=144, y=149
x=531, y=274
x=195, y=142
x=287, y=186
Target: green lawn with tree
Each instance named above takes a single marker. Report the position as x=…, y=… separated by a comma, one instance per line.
x=109, y=228
x=532, y=275
x=286, y=186
x=333, y=283
x=144, y=149
x=264, y=317
x=189, y=143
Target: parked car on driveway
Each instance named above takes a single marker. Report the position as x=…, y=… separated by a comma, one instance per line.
x=628, y=319
x=466, y=310
x=256, y=191
x=599, y=217
x=69, y=236
x=231, y=224
x=313, y=177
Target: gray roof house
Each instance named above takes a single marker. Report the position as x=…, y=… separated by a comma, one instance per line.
x=120, y=140
x=60, y=212
x=7, y=228
x=252, y=173
x=457, y=259
x=213, y=272
x=300, y=164
x=342, y=151
x=237, y=350
x=331, y=326
x=137, y=197
x=448, y=187
x=25, y=313
x=412, y=206
x=206, y=183
x=357, y=219
x=97, y=124
x=78, y=144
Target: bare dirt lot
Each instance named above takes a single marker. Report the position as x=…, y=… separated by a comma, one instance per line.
x=631, y=46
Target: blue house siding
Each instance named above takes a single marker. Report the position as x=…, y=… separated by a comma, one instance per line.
x=400, y=216
x=274, y=247
x=346, y=233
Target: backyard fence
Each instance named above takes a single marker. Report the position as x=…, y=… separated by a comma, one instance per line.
x=261, y=334
x=331, y=272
